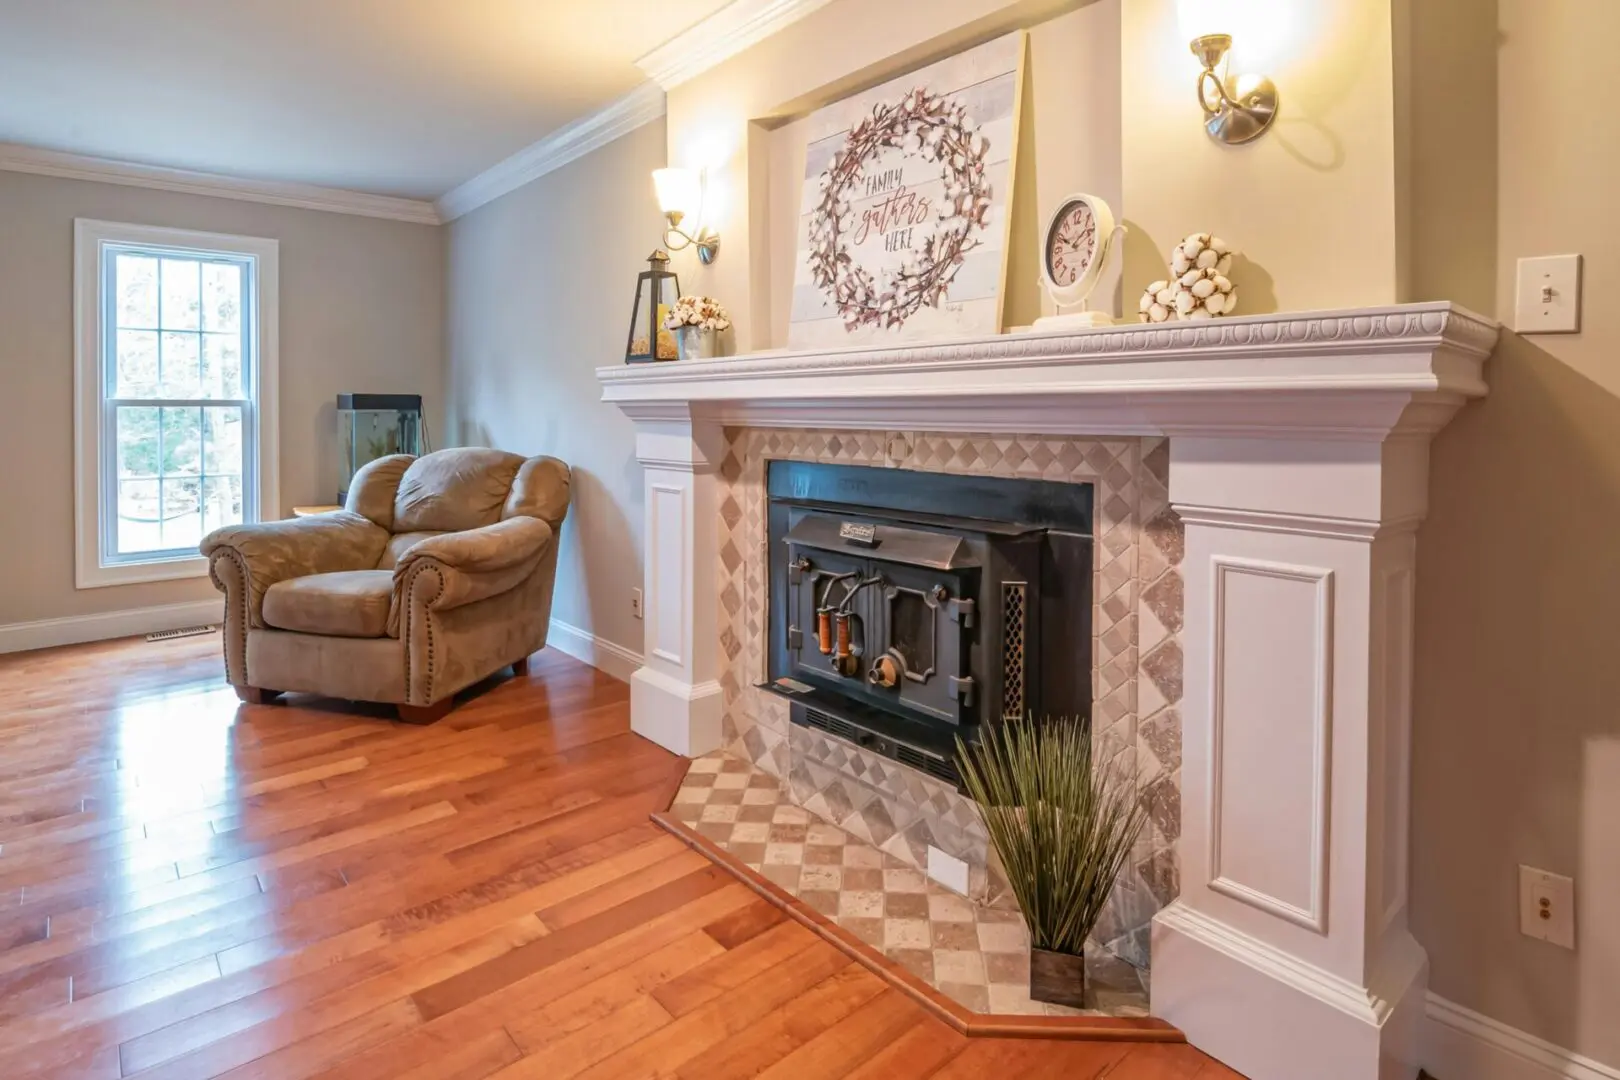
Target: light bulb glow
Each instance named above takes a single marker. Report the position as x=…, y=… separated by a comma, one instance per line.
x=1201, y=18
x=678, y=190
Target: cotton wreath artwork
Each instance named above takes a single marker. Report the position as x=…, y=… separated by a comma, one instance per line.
x=1198, y=287
x=927, y=125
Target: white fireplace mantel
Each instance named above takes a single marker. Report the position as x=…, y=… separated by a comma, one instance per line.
x=1299, y=466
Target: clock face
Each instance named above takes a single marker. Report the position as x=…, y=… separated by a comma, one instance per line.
x=1071, y=243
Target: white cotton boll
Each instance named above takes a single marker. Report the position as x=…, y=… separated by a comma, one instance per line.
x=1165, y=296
x=1222, y=283
x=1207, y=258
x=1191, y=246
x=1201, y=313
x=1188, y=279
x=1146, y=302
x=1221, y=246
x=1179, y=263
x=1231, y=300
x=1202, y=288
x=1216, y=304
x=1155, y=288
x=1157, y=313
x=1185, y=302
x=1225, y=265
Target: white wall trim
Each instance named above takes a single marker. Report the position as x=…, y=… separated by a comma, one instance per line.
x=30, y=159
x=735, y=27
x=640, y=106
x=600, y=653
x=75, y=629
x=1461, y=1044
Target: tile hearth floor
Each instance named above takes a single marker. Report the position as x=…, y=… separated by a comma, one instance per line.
x=977, y=956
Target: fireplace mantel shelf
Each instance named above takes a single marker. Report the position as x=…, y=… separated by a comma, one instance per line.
x=1283, y=373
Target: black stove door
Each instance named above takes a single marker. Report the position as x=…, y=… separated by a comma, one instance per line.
x=921, y=624
x=818, y=578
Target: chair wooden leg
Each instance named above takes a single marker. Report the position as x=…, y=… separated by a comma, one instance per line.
x=521, y=668
x=425, y=714
x=255, y=695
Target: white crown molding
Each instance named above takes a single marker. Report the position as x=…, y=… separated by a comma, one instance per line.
x=574, y=140
x=30, y=159
x=1461, y=1044
x=721, y=36
x=74, y=629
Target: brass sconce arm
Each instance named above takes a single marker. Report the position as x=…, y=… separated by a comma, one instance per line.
x=1231, y=116
x=676, y=239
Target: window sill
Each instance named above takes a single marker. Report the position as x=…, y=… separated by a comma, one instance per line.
x=97, y=577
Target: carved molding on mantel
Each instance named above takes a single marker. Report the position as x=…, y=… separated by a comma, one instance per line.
x=1356, y=374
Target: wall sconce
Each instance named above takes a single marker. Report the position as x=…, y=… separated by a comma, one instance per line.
x=1236, y=110
x=679, y=191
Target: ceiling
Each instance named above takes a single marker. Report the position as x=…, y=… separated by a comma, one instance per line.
x=393, y=97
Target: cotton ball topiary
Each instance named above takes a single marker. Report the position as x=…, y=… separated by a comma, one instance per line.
x=1198, y=287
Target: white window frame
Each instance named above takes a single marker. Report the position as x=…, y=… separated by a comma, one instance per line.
x=94, y=450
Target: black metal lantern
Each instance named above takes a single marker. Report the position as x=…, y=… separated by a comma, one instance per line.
x=656, y=292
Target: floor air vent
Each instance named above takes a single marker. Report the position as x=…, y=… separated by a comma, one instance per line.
x=905, y=755
x=184, y=631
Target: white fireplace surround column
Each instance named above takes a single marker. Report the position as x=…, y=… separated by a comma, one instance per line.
x=1299, y=466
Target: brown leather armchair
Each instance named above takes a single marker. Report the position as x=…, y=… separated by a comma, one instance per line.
x=437, y=573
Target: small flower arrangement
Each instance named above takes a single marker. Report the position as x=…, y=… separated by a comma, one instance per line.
x=703, y=312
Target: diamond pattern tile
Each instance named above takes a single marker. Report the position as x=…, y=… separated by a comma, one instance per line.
x=1136, y=648
x=975, y=954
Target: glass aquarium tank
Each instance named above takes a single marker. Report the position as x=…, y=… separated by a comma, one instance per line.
x=371, y=426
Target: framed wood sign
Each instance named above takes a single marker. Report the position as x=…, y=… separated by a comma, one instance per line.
x=904, y=214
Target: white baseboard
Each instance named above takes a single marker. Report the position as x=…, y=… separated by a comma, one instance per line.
x=604, y=655
x=1461, y=1044
x=74, y=629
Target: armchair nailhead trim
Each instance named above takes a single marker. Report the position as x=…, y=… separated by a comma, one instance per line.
x=422, y=567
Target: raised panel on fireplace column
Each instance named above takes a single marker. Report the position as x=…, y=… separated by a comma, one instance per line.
x=1271, y=688
x=667, y=540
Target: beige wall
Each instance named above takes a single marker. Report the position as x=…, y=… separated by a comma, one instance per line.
x=362, y=308
x=1515, y=153
x=723, y=120
x=540, y=286
x=1312, y=204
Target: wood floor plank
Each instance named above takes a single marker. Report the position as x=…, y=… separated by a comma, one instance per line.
x=194, y=888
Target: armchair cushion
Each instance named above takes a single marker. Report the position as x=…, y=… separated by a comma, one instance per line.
x=375, y=486
x=454, y=490
x=347, y=603
x=273, y=551
x=398, y=545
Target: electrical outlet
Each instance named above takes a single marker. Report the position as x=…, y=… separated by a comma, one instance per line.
x=1548, y=299
x=1547, y=906
x=635, y=602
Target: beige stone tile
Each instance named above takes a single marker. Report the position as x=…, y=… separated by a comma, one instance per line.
x=719, y=813
x=948, y=907
x=858, y=855
x=821, y=876
x=784, y=854
x=731, y=781
x=959, y=936
x=1015, y=1000
x=821, y=833
x=971, y=995
x=959, y=966
x=791, y=815
x=906, y=934
x=1003, y=937
x=820, y=854
x=904, y=881
x=824, y=901
x=785, y=875
x=860, y=904
x=1009, y=968
x=906, y=905
x=868, y=930
x=761, y=797
x=865, y=878
x=749, y=832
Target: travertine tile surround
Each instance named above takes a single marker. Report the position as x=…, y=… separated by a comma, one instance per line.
x=1136, y=650
x=976, y=955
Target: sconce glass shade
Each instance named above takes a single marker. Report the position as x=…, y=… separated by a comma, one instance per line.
x=656, y=292
x=1206, y=18
x=679, y=190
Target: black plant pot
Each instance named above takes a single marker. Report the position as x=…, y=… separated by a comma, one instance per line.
x=1057, y=977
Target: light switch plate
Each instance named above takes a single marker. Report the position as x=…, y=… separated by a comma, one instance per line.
x=1548, y=295
x=1547, y=906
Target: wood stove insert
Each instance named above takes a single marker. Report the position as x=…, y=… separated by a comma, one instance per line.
x=908, y=608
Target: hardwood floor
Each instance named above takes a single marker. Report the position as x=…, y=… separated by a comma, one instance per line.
x=190, y=887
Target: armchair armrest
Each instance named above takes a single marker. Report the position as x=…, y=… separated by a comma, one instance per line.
x=261, y=555
x=453, y=569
